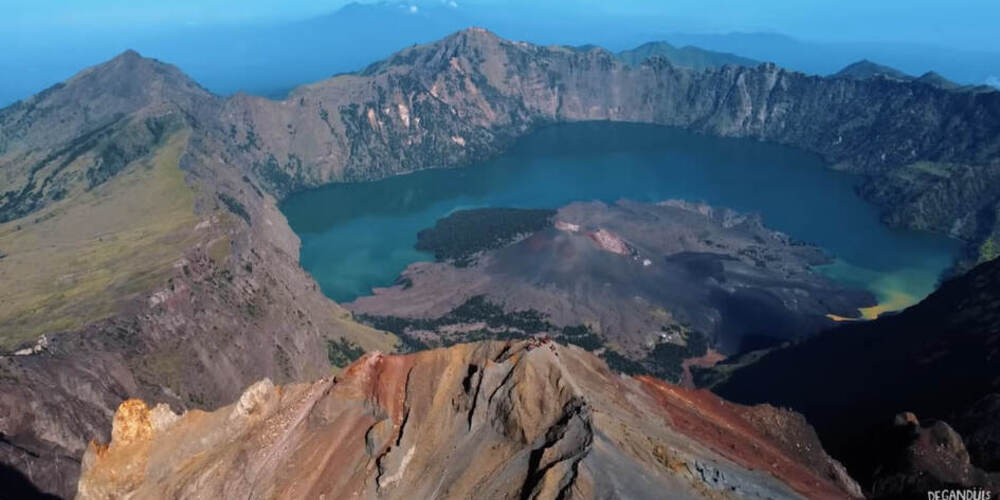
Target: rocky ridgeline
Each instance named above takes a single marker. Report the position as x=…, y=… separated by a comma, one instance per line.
x=555, y=421
x=929, y=154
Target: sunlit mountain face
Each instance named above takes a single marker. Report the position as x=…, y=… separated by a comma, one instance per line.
x=499, y=249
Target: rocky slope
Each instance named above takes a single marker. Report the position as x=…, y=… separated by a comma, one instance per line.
x=921, y=457
x=166, y=272
x=939, y=359
x=143, y=268
x=493, y=420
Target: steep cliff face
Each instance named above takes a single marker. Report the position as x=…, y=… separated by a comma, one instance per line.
x=495, y=420
x=469, y=95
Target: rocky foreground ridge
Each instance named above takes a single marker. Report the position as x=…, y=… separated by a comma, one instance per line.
x=138, y=218
x=530, y=419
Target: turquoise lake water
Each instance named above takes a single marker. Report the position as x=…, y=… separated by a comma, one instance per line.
x=359, y=236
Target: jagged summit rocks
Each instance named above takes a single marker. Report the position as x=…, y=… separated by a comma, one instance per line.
x=530, y=419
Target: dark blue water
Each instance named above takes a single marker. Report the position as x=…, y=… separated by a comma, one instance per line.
x=359, y=236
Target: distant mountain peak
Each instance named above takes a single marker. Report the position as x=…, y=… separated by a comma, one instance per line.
x=129, y=54
x=686, y=57
x=475, y=33
x=935, y=79
x=96, y=96
x=865, y=69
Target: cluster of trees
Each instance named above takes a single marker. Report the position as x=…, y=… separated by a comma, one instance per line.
x=500, y=325
x=460, y=236
x=343, y=352
x=665, y=361
x=235, y=207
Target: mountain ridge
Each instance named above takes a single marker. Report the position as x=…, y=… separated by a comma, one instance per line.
x=763, y=103
x=686, y=56
x=556, y=420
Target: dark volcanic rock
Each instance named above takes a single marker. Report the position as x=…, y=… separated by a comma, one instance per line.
x=922, y=458
x=643, y=277
x=980, y=428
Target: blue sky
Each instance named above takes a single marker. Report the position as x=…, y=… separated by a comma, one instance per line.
x=956, y=23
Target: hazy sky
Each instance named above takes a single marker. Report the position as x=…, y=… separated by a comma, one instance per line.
x=957, y=23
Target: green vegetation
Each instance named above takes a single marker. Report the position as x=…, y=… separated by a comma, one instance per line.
x=942, y=170
x=622, y=364
x=47, y=171
x=343, y=352
x=665, y=361
x=479, y=319
x=278, y=178
x=461, y=235
x=989, y=250
x=666, y=358
x=235, y=207
x=132, y=143
x=79, y=258
x=582, y=336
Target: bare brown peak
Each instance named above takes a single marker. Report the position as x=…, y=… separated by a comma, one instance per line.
x=128, y=55
x=475, y=35
x=130, y=67
x=475, y=43
x=470, y=42
x=126, y=86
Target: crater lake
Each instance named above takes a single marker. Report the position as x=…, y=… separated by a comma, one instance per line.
x=359, y=236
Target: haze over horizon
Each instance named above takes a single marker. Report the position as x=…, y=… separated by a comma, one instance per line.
x=964, y=24
x=259, y=48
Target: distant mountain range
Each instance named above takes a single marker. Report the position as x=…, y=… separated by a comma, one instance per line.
x=270, y=60
x=865, y=69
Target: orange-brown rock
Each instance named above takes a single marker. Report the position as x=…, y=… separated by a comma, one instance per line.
x=529, y=419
